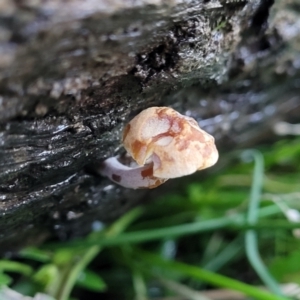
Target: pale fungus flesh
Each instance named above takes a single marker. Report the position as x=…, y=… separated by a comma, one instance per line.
x=130, y=177
x=164, y=144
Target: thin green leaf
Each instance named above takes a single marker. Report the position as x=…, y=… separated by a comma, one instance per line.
x=5, y=279
x=16, y=267
x=91, y=281
x=35, y=254
x=155, y=262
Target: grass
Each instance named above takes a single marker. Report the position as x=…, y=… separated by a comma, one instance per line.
x=237, y=229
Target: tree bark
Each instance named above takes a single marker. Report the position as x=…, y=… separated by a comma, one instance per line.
x=73, y=73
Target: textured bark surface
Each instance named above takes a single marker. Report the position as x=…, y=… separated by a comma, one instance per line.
x=71, y=76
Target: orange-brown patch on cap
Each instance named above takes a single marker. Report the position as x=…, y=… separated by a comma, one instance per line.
x=147, y=172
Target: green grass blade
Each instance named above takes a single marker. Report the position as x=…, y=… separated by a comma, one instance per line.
x=236, y=221
x=252, y=217
x=73, y=270
x=206, y=276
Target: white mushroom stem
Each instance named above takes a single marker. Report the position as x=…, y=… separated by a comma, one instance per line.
x=134, y=178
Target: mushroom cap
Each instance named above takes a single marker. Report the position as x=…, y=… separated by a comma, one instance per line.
x=175, y=143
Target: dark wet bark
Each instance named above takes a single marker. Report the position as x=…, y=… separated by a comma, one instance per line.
x=71, y=76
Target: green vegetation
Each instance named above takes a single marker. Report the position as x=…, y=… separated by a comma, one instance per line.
x=237, y=228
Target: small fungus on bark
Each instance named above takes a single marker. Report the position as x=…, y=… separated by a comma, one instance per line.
x=164, y=144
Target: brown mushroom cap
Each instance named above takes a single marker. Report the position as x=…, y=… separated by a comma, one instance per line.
x=174, y=143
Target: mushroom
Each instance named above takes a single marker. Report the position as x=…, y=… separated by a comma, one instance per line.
x=164, y=144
